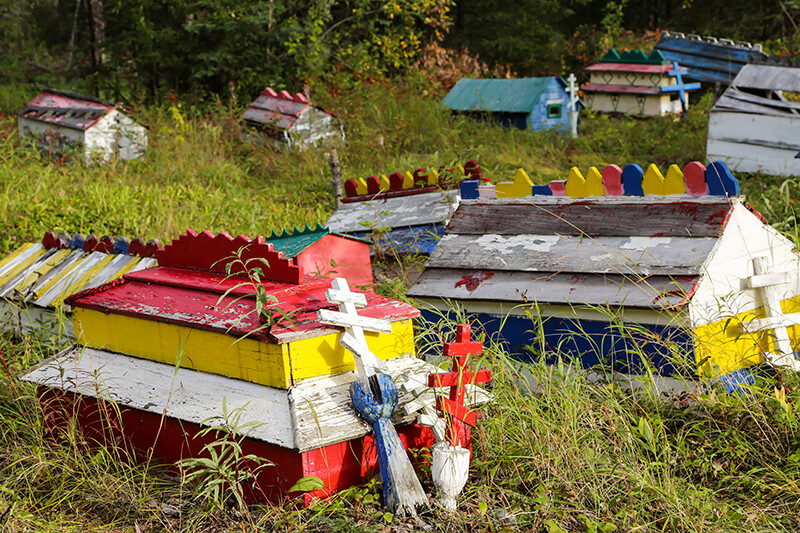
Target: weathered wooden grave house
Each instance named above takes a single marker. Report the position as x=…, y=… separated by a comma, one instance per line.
x=637, y=84
x=753, y=127
x=523, y=103
x=289, y=120
x=62, y=123
x=36, y=278
x=403, y=212
x=279, y=368
x=619, y=263
x=324, y=253
x=708, y=59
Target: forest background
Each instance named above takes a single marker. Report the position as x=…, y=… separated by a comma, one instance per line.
x=580, y=457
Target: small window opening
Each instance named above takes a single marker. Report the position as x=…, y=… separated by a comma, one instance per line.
x=553, y=110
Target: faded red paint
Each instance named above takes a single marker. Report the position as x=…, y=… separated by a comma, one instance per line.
x=472, y=281
x=140, y=434
x=718, y=217
x=194, y=299
x=338, y=256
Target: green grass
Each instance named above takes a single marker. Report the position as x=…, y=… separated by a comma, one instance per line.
x=571, y=456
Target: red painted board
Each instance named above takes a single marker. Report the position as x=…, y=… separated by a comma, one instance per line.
x=206, y=251
x=450, y=379
x=138, y=434
x=203, y=309
x=626, y=89
x=337, y=256
x=629, y=67
x=459, y=412
x=452, y=349
x=394, y=193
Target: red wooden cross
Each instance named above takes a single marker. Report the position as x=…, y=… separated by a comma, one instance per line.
x=453, y=407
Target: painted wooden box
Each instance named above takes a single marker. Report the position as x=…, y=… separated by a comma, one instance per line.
x=60, y=123
x=523, y=103
x=621, y=265
x=709, y=60
x=287, y=120
x=36, y=278
x=636, y=84
x=325, y=253
x=753, y=127
x=175, y=345
x=404, y=212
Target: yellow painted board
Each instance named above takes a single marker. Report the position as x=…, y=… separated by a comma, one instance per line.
x=653, y=181
x=594, y=183
x=58, y=277
x=576, y=184
x=673, y=182
x=217, y=353
x=45, y=267
x=323, y=355
x=408, y=180
x=521, y=186
x=433, y=177
x=385, y=184
x=15, y=253
x=81, y=282
x=23, y=265
x=361, y=186
x=198, y=349
x=725, y=345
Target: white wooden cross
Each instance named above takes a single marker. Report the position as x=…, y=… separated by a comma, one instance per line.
x=572, y=111
x=766, y=285
x=367, y=363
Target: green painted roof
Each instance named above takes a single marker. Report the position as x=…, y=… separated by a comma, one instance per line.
x=496, y=95
x=293, y=241
x=636, y=57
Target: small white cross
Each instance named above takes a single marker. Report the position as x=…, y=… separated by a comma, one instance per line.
x=572, y=112
x=424, y=402
x=766, y=284
x=367, y=363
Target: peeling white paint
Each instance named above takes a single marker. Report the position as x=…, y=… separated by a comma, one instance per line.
x=644, y=243
x=501, y=243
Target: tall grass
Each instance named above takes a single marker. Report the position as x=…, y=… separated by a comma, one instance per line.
x=569, y=455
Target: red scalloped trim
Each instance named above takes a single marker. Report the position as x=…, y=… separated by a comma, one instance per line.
x=204, y=251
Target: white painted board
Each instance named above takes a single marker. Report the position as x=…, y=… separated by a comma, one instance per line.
x=397, y=212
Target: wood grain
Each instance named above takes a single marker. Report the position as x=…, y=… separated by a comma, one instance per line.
x=546, y=253
x=547, y=215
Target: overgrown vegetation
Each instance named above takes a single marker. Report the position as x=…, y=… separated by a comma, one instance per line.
x=555, y=452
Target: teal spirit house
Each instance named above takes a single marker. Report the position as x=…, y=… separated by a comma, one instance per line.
x=524, y=103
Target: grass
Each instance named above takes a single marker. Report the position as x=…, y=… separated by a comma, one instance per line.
x=571, y=456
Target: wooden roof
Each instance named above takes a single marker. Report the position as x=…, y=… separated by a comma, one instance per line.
x=192, y=287
x=65, y=109
x=645, y=251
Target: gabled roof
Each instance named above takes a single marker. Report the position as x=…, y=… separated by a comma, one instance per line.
x=644, y=252
x=70, y=110
x=708, y=59
x=755, y=89
x=277, y=110
x=517, y=95
x=292, y=242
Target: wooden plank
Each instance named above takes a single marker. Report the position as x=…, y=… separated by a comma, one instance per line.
x=768, y=78
x=54, y=274
x=404, y=211
x=315, y=413
x=547, y=215
x=743, y=157
x=70, y=281
x=552, y=253
x=758, y=130
x=20, y=261
x=25, y=269
x=552, y=288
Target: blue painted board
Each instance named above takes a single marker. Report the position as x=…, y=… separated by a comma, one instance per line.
x=416, y=239
x=589, y=341
x=707, y=61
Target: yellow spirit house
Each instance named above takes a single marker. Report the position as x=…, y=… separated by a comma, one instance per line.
x=179, y=345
